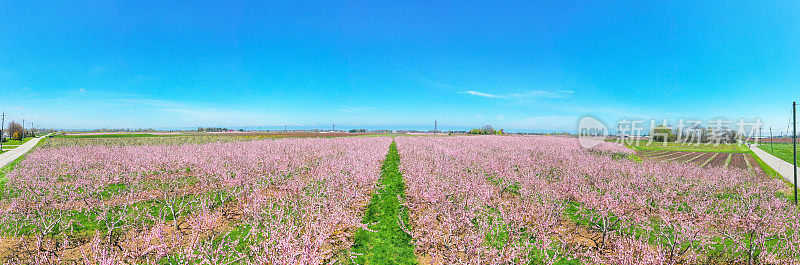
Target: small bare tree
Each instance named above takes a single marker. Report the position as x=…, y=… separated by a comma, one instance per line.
x=14, y=129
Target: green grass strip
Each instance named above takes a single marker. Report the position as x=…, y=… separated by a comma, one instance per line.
x=10, y=166
x=696, y=157
x=709, y=160
x=728, y=160
x=687, y=154
x=386, y=243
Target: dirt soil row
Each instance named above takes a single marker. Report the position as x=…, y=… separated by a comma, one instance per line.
x=737, y=160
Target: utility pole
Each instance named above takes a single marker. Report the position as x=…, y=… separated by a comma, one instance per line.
x=23, y=129
x=435, y=126
x=334, y=127
x=284, y=128
x=794, y=147
x=2, y=125
x=771, y=149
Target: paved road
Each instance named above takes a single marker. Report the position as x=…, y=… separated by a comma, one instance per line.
x=784, y=168
x=15, y=153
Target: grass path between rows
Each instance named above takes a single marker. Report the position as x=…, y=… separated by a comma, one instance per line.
x=385, y=242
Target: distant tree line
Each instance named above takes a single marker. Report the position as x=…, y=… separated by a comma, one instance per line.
x=358, y=130
x=486, y=130
x=15, y=131
x=213, y=129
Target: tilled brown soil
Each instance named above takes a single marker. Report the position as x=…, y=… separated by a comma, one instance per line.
x=687, y=157
x=653, y=154
x=719, y=160
x=737, y=160
x=702, y=159
x=669, y=156
x=753, y=165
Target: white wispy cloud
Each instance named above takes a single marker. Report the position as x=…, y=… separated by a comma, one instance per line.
x=526, y=94
x=481, y=94
x=354, y=109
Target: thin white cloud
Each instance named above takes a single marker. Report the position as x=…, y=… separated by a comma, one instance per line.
x=481, y=94
x=352, y=109
x=526, y=94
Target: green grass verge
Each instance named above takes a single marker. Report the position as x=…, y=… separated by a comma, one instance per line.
x=387, y=243
x=782, y=151
x=5, y=169
x=769, y=171
x=17, y=142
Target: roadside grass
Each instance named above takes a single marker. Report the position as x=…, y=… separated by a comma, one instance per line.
x=687, y=147
x=3, y=171
x=770, y=172
x=385, y=241
x=17, y=142
x=10, y=166
x=783, y=151
x=780, y=150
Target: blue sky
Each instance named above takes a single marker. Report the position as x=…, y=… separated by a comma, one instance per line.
x=524, y=65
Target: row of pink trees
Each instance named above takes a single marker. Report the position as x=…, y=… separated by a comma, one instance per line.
x=287, y=201
x=494, y=199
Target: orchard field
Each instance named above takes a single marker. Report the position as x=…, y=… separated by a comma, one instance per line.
x=384, y=200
